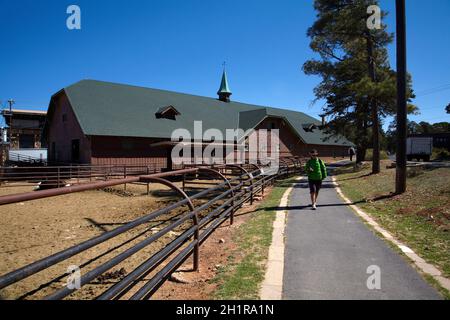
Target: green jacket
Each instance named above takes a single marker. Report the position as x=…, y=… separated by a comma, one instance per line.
x=319, y=170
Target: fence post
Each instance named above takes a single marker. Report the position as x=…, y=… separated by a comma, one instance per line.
x=125, y=175
x=148, y=183
x=240, y=181
x=262, y=186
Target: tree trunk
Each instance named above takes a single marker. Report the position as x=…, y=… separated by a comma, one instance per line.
x=360, y=154
x=361, y=130
x=374, y=108
x=375, y=139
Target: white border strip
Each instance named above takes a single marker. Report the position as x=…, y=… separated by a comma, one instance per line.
x=425, y=267
x=272, y=286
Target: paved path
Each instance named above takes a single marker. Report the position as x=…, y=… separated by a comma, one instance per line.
x=329, y=250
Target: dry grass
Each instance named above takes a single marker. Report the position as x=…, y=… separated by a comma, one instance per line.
x=240, y=279
x=420, y=217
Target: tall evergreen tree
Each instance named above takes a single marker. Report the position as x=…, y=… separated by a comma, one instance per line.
x=357, y=80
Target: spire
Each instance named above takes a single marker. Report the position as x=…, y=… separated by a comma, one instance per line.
x=224, y=90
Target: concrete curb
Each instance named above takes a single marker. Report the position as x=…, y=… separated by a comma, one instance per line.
x=420, y=263
x=272, y=286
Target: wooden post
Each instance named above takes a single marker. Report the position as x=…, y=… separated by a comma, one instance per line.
x=148, y=183
x=124, y=176
x=400, y=179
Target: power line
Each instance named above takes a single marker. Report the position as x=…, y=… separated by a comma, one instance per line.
x=432, y=108
x=425, y=119
x=433, y=90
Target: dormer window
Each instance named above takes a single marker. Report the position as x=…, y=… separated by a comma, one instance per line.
x=309, y=127
x=168, y=112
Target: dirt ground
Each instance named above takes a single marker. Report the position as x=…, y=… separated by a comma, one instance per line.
x=213, y=255
x=35, y=229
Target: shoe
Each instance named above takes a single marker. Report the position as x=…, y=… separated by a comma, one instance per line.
x=314, y=207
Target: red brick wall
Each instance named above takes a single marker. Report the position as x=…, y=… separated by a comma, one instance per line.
x=292, y=145
x=130, y=151
x=63, y=132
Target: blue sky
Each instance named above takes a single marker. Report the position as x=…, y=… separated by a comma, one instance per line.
x=180, y=46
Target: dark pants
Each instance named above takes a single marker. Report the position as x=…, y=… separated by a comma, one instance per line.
x=351, y=157
x=315, y=185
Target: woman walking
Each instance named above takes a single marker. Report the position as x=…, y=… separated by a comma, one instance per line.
x=317, y=172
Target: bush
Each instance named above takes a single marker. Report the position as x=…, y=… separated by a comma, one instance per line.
x=413, y=172
x=369, y=155
x=441, y=154
x=358, y=167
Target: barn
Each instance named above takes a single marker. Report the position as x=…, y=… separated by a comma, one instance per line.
x=101, y=123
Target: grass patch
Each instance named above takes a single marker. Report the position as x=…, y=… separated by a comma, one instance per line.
x=240, y=279
x=420, y=218
x=369, y=155
x=440, y=154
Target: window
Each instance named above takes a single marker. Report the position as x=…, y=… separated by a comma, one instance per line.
x=168, y=112
x=271, y=125
x=309, y=127
x=26, y=141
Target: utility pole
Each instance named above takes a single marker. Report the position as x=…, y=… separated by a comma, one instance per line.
x=400, y=181
x=374, y=109
x=11, y=102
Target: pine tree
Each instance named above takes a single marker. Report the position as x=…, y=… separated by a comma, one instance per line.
x=357, y=80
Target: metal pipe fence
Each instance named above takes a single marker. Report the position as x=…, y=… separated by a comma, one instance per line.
x=58, y=176
x=237, y=187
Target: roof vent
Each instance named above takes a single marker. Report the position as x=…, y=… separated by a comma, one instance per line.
x=168, y=112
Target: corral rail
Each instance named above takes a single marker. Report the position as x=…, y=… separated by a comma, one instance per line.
x=193, y=225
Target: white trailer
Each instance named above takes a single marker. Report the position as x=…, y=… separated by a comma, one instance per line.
x=419, y=148
x=28, y=155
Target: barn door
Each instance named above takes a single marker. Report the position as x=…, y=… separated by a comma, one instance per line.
x=75, y=150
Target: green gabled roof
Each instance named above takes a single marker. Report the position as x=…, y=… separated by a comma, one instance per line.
x=110, y=109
